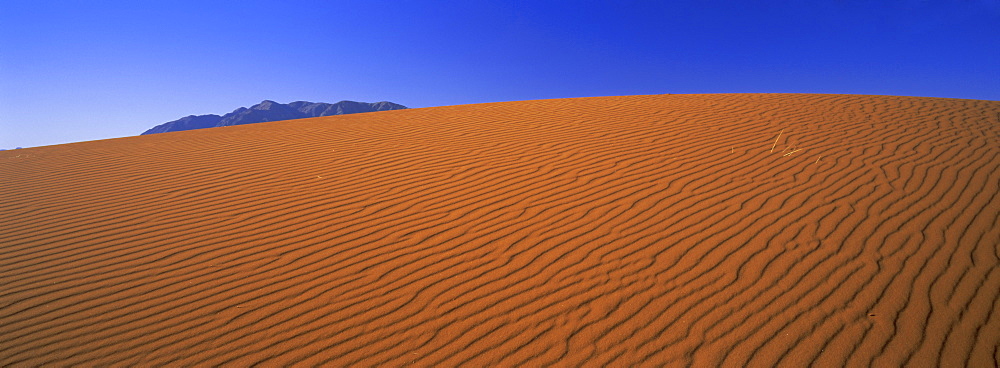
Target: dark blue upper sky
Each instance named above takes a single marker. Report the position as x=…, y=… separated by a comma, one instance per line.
x=83, y=70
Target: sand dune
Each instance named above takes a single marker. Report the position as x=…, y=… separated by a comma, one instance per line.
x=612, y=231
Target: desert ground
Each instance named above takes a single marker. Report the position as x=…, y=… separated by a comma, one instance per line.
x=666, y=230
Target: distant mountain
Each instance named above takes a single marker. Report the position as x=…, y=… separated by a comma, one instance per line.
x=272, y=111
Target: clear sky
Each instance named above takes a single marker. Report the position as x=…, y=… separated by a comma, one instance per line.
x=84, y=70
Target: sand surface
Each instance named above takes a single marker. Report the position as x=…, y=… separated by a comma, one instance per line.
x=730, y=229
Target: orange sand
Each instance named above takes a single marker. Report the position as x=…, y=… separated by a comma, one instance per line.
x=612, y=231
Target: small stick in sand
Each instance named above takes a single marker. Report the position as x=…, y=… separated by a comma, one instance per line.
x=791, y=152
x=776, y=140
x=817, y=159
x=732, y=149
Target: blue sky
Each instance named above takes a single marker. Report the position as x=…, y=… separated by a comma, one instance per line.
x=84, y=70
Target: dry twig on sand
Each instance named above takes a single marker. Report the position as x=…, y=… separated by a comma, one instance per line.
x=776, y=140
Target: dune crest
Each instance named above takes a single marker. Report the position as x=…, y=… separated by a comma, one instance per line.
x=726, y=229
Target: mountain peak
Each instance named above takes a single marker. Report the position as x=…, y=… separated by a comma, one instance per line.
x=269, y=110
x=266, y=105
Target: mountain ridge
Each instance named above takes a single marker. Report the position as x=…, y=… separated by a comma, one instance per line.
x=269, y=110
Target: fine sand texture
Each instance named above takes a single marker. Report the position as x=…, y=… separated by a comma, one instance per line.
x=708, y=230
